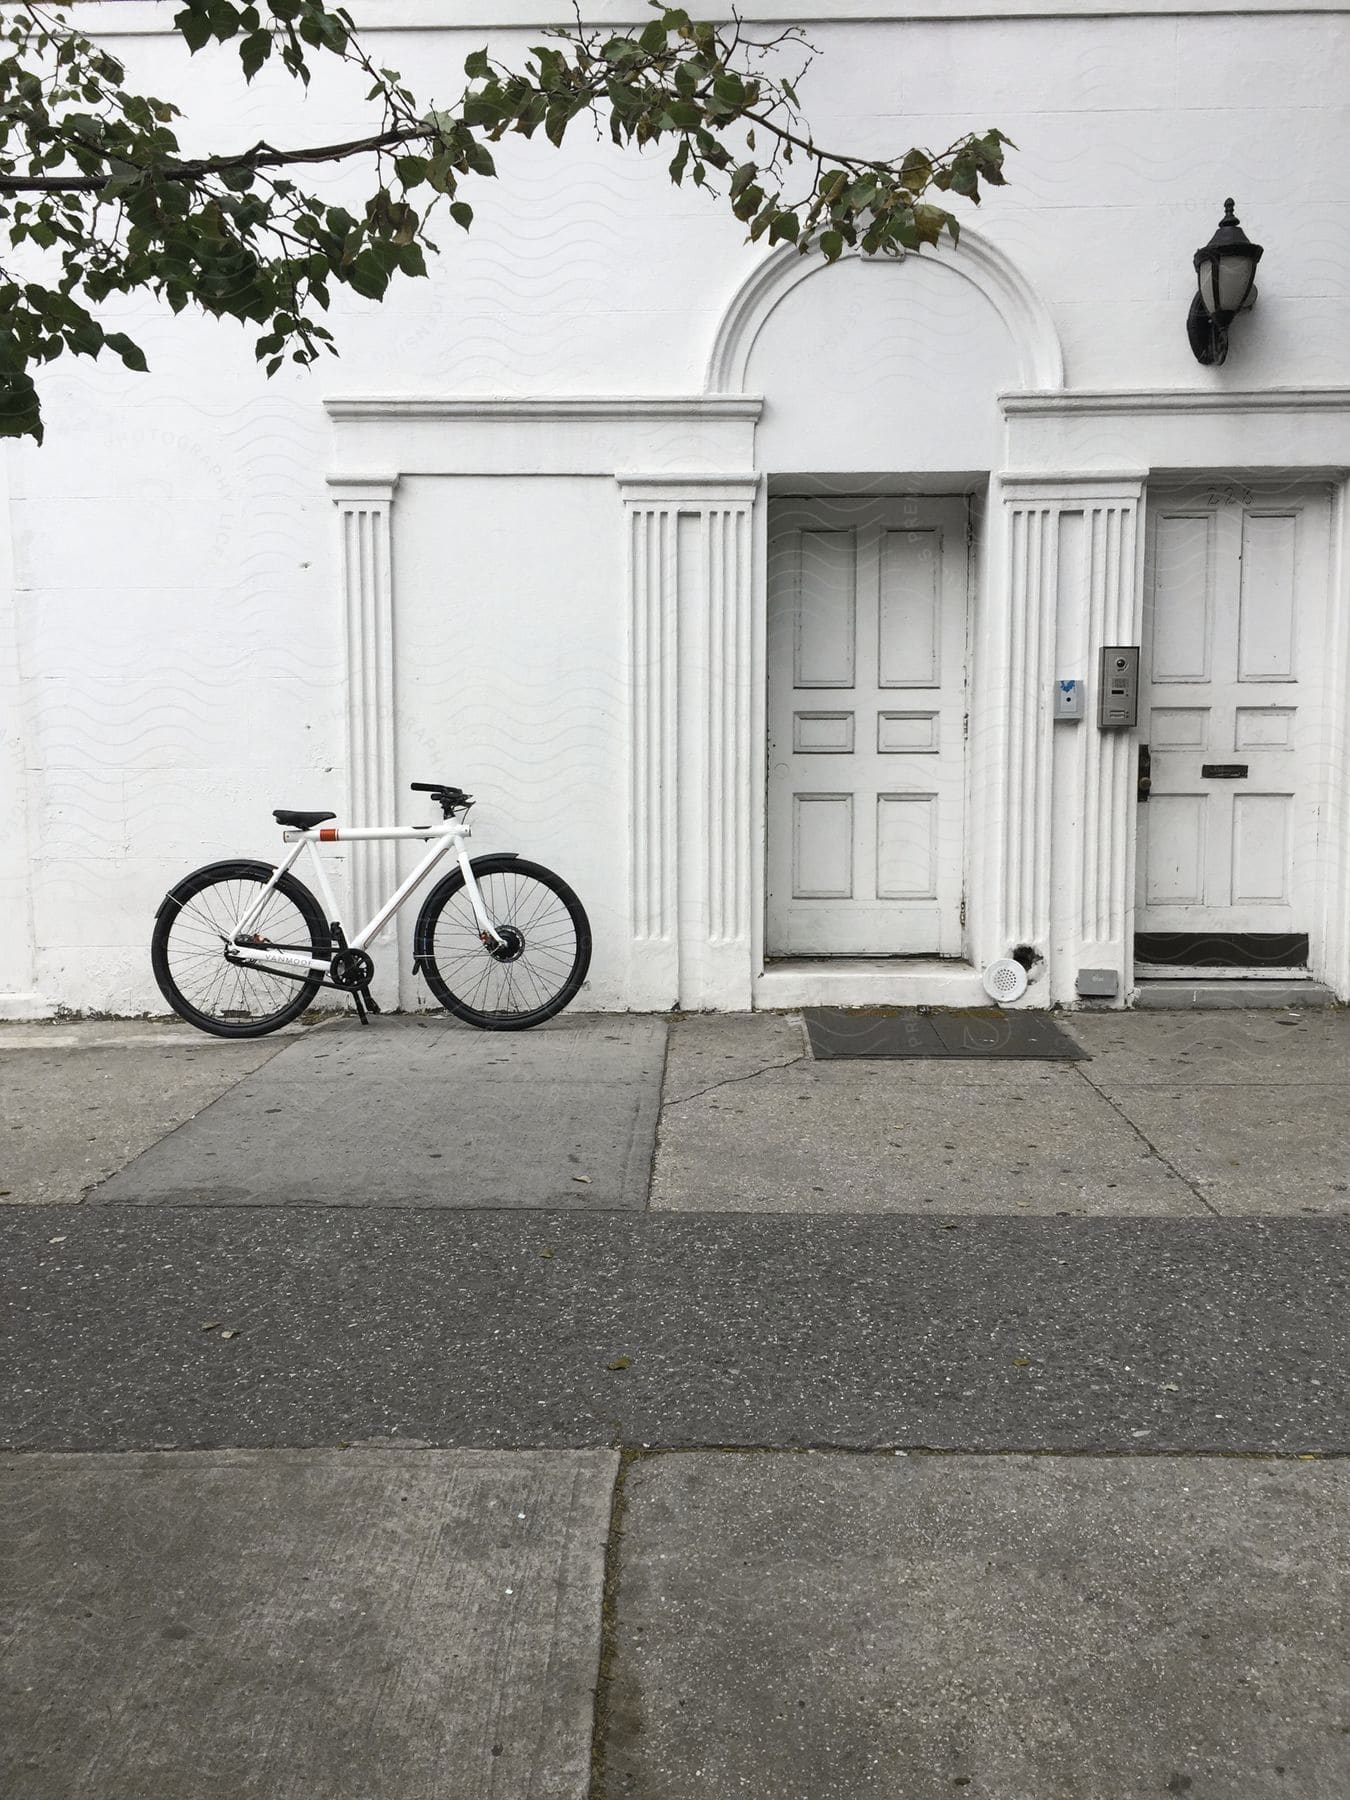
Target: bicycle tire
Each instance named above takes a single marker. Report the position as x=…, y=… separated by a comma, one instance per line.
x=177, y=907
x=552, y=978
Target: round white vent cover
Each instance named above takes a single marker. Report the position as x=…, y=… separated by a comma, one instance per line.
x=1005, y=980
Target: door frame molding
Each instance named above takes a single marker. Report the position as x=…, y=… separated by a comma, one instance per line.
x=967, y=500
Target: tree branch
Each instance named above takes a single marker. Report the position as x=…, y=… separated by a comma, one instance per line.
x=260, y=158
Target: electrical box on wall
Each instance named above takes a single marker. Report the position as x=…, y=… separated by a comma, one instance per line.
x=1069, y=699
x=1118, y=689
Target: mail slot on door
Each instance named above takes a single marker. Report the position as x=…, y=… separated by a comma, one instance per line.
x=1118, y=687
x=1223, y=771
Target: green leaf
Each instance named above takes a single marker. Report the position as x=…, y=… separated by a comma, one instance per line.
x=193, y=27
x=479, y=159
x=461, y=213
x=131, y=353
x=367, y=277
x=411, y=170
x=224, y=19
x=254, y=51
x=85, y=339
x=831, y=245
x=477, y=67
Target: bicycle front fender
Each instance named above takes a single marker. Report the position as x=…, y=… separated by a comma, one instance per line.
x=431, y=906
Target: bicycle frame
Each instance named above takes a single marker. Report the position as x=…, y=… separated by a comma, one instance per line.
x=452, y=835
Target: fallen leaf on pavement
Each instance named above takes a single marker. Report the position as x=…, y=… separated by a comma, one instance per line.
x=620, y=1362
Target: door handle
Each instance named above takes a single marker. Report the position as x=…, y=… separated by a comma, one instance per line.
x=1145, y=778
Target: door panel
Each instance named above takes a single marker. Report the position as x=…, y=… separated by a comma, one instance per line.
x=822, y=846
x=909, y=616
x=866, y=657
x=1266, y=575
x=824, y=624
x=1235, y=598
x=1175, y=865
x=1184, y=562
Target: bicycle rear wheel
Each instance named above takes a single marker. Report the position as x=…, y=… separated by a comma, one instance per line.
x=192, y=932
x=538, y=970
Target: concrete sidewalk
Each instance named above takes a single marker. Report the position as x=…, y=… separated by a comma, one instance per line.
x=1175, y=1114
x=407, y=1413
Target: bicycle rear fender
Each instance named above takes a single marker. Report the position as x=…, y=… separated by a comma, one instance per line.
x=233, y=868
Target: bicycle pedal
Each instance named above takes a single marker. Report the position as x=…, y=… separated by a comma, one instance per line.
x=372, y=1005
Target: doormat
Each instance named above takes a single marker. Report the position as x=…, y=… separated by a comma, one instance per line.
x=837, y=1031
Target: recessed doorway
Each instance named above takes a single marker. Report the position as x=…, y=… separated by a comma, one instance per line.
x=1229, y=726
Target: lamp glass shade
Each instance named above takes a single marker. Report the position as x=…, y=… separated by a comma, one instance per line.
x=1226, y=268
x=1236, y=273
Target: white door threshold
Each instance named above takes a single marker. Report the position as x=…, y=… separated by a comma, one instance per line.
x=869, y=981
x=1201, y=995
x=1215, y=972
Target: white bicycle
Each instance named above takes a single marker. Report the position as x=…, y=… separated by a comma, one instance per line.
x=241, y=948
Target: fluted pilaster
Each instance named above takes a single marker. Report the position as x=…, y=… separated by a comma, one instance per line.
x=364, y=508
x=691, y=755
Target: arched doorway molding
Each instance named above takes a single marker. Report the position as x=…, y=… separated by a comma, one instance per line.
x=974, y=259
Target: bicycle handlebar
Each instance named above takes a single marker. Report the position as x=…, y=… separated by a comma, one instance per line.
x=451, y=798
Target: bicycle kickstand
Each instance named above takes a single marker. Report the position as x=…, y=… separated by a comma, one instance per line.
x=365, y=1003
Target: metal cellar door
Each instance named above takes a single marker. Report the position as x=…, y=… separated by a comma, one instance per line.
x=1229, y=723
x=866, y=717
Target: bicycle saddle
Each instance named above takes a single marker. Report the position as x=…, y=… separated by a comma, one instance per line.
x=302, y=821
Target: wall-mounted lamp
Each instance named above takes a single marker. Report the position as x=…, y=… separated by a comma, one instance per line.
x=1226, y=272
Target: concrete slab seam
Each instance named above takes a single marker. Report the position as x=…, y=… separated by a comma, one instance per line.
x=609, y=1623
x=656, y=1128
x=283, y=1045
x=1144, y=1139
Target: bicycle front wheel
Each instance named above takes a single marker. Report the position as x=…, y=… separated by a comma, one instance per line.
x=194, y=929
x=533, y=974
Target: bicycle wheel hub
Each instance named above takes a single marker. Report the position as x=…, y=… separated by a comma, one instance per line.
x=511, y=946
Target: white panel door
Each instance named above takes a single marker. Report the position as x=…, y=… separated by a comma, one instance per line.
x=1234, y=614
x=867, y=683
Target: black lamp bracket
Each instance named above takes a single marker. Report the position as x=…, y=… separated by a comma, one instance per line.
x=1209, y=342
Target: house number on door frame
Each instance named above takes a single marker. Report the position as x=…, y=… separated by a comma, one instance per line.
x=1228, y=496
